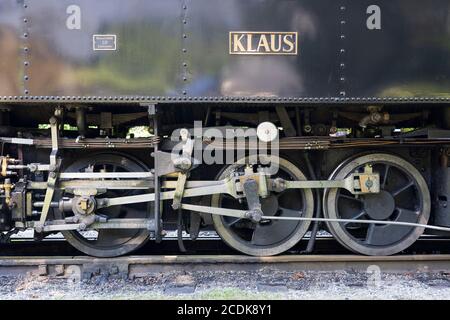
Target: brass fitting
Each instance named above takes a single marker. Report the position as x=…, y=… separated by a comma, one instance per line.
x=5, y=161
x=7, y=188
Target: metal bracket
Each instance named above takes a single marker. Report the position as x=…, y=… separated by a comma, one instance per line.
x=153, y=115
x=184, y=164
x=179, y=191
x=286, y=122
x=52, y=175
x=251, y=193
x=163, y=164
x=356, y=183
x=151, y=109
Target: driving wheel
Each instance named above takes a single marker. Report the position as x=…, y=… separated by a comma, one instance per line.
x=403, y=197
x=266, y=237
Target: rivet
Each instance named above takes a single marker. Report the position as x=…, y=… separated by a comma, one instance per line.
x=184, y=50
x=184, y=21
x=25, y=20
x=26, y=63
x=26, y=78
x=184, y=92
x=184, y=64
x=25, y=35
x=343, y=22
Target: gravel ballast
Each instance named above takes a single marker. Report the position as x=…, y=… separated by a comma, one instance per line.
x=266, y=283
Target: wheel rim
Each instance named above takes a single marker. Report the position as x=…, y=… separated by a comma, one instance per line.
x=404, y=197
x=111, y=242
x=269, y=237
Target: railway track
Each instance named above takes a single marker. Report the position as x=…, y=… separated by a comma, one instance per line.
x=56, y=258
x=84, y=267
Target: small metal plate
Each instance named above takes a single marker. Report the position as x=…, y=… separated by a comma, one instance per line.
x=104, y=42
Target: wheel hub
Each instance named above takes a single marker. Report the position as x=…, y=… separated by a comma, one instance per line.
x=379, y=206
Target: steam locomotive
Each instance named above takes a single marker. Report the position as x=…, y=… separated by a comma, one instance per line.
x=261, y=119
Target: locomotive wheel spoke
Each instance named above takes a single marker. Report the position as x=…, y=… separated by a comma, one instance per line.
x=284, y=212
x=402, y=212
x=402, y=189
x=107, y=237
x=385, y=175
x=359, y=215
x=266, y=234
x=370, y=235
x=352, y=198
x=235, y=220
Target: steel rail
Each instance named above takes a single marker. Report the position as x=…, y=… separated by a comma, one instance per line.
x=215, y=259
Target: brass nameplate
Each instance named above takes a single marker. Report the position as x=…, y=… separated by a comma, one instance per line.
x=263, y=43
